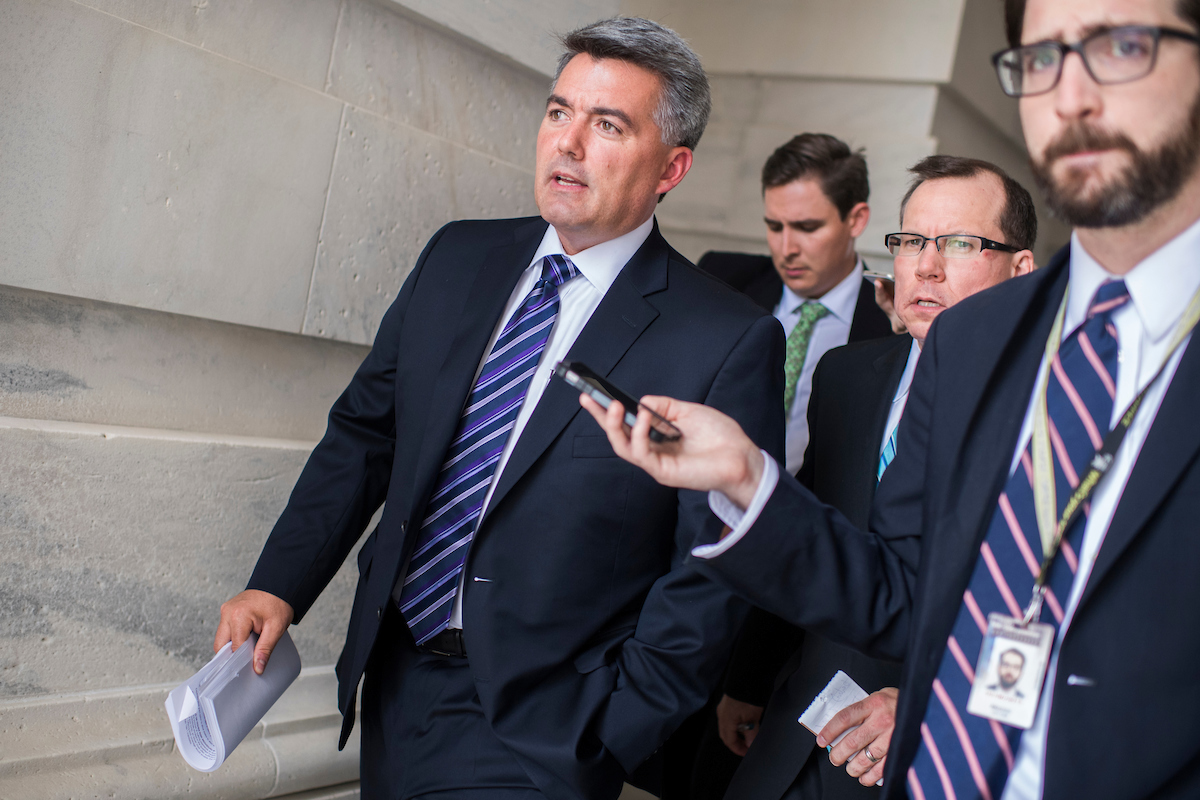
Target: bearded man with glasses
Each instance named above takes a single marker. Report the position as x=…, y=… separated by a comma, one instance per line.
x=1046, y=484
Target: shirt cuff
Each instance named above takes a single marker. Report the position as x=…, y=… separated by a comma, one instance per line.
x=739, y=521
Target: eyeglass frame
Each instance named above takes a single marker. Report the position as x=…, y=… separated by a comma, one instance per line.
x=985, y=244
x=1063, y=49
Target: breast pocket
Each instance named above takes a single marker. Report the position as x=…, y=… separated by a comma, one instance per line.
x=592, y=447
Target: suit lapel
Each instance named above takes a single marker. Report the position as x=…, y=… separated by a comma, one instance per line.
x=992, y=409
x=615, y=325
x=498, y=273
x=1171, y=444
x=876, y=388
x=888, y=370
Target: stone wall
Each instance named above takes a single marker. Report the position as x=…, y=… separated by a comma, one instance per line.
x=205, y=208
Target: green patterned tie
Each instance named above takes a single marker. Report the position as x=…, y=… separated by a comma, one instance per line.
x=797, y=348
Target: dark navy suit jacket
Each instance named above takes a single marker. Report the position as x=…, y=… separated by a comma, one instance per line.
x=591, y=639
x=853, y=387
x=1126, y=731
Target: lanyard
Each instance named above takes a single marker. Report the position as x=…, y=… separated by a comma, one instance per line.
x=1044, y=498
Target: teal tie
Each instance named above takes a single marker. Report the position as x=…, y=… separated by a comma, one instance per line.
x=888, y=453
x=796, y=350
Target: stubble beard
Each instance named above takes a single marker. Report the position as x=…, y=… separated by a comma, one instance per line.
x=1150, y=180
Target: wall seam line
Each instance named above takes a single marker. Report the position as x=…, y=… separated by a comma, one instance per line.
x=104, y=431
x=320, y=93
x=9, y=704
x=337, y=30
x=312, y=279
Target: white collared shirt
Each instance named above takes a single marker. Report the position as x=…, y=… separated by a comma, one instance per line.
x=900, y=398
x=1160, y=288
x=578, y=298
x=832, y=330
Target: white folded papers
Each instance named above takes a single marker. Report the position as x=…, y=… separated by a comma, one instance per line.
x=840, y=692
x=212, y=711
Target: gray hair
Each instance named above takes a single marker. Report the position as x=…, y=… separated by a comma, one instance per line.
x=683, y=109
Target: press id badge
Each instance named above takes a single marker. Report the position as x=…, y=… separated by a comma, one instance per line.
x=1012, y=666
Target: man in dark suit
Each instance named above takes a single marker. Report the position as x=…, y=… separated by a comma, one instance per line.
x=523, y=617
x=1009, y=428
x=815, y=192
x=859, y=395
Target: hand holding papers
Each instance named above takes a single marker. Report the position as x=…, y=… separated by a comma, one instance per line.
x=839, y=693
x=212, y=711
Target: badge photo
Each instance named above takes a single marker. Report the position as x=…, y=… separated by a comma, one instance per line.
x=1012, y=665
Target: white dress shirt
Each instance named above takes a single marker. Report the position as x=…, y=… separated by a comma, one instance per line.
x=900, y=398
x=578, y=298
x=1160, y=288
x=832, y=330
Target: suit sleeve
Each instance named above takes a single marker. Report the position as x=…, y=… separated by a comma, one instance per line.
x=805, y=562
x=667, y=669
x=767, y=642
x=762, y=649
x=346, y=477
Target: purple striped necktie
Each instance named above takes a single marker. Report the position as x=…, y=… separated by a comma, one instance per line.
x=426, y=597
x=961, y=755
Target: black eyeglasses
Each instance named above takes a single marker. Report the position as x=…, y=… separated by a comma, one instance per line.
x=1115, y=55
x=950, y=245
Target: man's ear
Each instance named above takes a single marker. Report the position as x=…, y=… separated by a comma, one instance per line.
x=858, y=216
x=678, y=164
x=1023, y=263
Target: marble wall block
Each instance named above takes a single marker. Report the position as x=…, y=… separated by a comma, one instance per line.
x=389, y=64
x=117, y=553
x=851, y=39
x=76, y=360
x=290, y=39
x=974, y=78
x=118, y=744
x=142, y=171
x=393, y=188
x=522, y=30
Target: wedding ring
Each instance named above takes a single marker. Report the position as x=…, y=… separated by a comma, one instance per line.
x=870, y=757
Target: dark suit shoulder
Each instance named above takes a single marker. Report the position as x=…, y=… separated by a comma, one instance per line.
x=710, y=291
x=736, y=269
x=754, y=275
x=494, y=231
x=739, y=270
x=858, y=354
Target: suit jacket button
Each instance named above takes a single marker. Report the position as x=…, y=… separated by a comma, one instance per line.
x=378, y=613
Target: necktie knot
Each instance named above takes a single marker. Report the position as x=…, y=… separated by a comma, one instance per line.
x=557, y=269
x=1109, y=297
x=811, y=312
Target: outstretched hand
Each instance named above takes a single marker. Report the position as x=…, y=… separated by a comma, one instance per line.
x=254, y=610
x=714, y=452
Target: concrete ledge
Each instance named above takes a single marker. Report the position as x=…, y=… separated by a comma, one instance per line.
x=118, y=744
x=75, y=360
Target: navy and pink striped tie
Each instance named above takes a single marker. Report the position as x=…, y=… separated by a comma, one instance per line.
x=961, y=755
x=440, y=552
